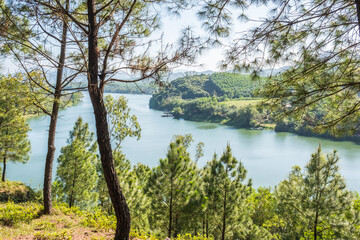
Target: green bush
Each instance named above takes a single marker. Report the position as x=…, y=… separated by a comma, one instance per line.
x=141, y=236
x=138, y=235
x=12, y=213
x=188, y=236
x=16, y=191
x=44, y=225
x=65, y=209
x=99, y=220
x=62, y=235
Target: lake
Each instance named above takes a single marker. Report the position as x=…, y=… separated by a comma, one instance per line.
x=268, y=156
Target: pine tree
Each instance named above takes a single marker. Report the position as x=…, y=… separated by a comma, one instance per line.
x=135, y=196
x=76, y=172
x=226, y=194
x=313, y=203
x=133, y=190
x=122, y=123
x=142, y=173
x=14, y=143
x=171, y=186
x=122, y=166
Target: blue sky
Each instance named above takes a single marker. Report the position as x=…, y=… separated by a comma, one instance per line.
x=172, y=26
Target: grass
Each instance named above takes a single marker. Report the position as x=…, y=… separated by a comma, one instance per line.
x=242, y=103
x=26, y=221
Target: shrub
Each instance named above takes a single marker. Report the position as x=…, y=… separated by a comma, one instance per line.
x=16, y=192
x=139, y=235
x=99, y=220
x=11, y=213
x=65, y=209
x=45, y=226
x=62, y=235
x=188, y=236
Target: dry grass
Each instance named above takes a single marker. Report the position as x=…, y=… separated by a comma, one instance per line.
x=57, y=226
x=11, y=187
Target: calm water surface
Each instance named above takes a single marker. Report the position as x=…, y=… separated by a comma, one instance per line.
x=268, y=156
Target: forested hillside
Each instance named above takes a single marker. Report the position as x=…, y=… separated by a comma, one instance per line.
x=226, y=85
x=232, y=99
x=132, y=88
x=227, y=98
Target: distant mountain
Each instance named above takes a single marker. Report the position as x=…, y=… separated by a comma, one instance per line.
x=184, y=73
x=171, y=76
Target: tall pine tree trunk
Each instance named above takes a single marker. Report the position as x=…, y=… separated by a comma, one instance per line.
x=103, y=136
x=207, y=226
x=53, y=121
x=316, y=224
x=224, y=218
x=357, y=3
x=170, y=210
x=176, y=227
x=71, y=199
x=4, y=170
x=203, y=226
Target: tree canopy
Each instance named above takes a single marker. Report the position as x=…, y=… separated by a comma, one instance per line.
x=317, y=44
x=76, y=173
x=14, y=143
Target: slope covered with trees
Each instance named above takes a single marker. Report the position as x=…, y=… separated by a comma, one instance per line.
x=233, y=99
x=226, y=85
x=219, y=97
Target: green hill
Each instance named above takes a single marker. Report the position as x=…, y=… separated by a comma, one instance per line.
x=224, y=85
x=232, y=85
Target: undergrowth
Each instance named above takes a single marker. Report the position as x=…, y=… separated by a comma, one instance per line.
x=26, y=220
x=16, y=192
x=12, y=213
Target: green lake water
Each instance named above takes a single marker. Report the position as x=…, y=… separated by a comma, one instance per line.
x=268, y=156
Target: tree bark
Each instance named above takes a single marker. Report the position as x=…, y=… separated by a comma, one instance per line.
x=207, y=227
x=203, y=226
x=224, y=219
x=357, y=3
x=71, y=200
x=315, y=225
x=176, y=230
x=103, y=136
x=4, y=170
x=53, y=121
x=170, y=210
